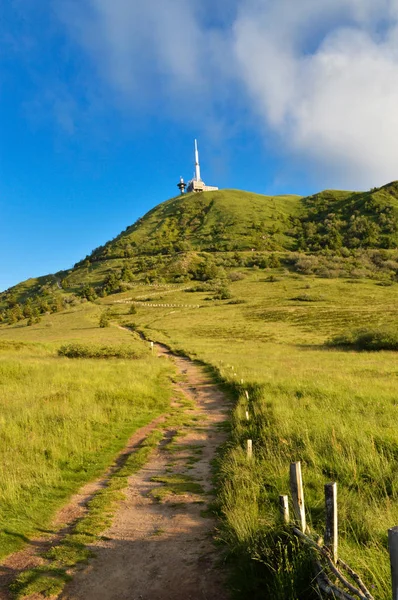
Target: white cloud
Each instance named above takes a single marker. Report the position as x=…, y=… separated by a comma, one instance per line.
x=155, y=52
x=321, y=75
x=334, y=103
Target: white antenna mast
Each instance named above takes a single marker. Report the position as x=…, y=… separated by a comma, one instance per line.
x=197, y=167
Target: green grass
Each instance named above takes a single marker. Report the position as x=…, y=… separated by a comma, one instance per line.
x=222, y=217
x=62, y=423
x=50, y=579
x=96, y=351
x=177, y=484
x=367, y=339
x=333, y=410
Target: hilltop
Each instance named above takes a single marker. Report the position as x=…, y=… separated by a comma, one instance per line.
x=212, y=221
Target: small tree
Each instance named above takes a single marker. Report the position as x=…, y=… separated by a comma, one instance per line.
x=28, y=309
x=104, y=320
x=133, y=310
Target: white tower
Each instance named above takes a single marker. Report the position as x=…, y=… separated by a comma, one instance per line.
x=196, y=184
x=197, y=166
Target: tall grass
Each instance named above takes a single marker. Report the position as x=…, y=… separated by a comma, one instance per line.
x=336, y=411
x=61, y=424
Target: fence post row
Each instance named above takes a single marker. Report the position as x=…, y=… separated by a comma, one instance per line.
x=331, y=528
x=284, y=508
x=249, y=448
x=296, y=487
x=334, y=577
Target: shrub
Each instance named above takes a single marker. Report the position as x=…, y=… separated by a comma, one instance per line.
x=307, y=298
x=223, y=294
x=236, y=276
x=367, y=339
x=104, y=320
x=75, y=350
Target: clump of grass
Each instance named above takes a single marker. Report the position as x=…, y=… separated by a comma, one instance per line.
x=6, y=345
x=41, y=580
x=307, y=298
x=77, y=350
x=367, y=339
x=177, y=485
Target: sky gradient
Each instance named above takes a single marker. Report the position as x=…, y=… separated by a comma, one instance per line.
x=100, y=101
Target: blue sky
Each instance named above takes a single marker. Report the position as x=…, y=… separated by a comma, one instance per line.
x=100, y=101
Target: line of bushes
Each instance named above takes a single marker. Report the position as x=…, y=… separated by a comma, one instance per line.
x=76, y=350
x=366, y=339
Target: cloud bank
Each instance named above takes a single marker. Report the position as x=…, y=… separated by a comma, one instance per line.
x=320, y=76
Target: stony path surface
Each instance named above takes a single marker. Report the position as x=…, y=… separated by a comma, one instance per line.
x=164, y=550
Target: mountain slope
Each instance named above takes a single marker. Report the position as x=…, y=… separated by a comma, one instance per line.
x=333, y=220
x=212, y=221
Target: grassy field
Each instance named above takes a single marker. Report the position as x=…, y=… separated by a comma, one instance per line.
x=334, y=410
x=63, y=420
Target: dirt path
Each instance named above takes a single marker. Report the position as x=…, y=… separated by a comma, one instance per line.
x=163, y=550
x=30, y=556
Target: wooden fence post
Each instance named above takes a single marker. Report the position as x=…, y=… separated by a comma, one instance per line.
x=331, y=532
x=152, y=348
x=249, y=448
x=393, y=549
x=284, y=508
x=247, y=395
x=247, y=416
x=296, y=487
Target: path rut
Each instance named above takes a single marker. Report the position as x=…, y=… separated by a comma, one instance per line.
x=165, y=550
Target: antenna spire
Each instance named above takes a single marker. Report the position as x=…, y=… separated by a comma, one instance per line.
x=197, y=166
x=196, y=184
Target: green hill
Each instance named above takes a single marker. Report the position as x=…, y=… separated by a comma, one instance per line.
x=213, y=221
x=181, y=238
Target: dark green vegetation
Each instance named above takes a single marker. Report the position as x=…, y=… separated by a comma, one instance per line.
x=96, y=351
x=274, y=292
x=367, y=339
x=336, y=220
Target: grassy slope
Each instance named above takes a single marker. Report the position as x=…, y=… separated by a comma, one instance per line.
x=63, y=421
x=334, y=410
x=359, y=219
x=235, y=209
x=79, y=323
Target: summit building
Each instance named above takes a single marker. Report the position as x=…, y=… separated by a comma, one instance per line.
x=196, y=184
